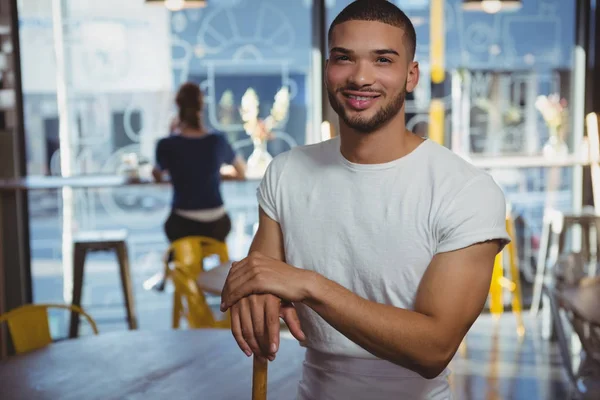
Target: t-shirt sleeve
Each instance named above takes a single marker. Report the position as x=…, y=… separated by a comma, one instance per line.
x=476, y=214
x=161, y=158
x=268, y=190
x=228, y=152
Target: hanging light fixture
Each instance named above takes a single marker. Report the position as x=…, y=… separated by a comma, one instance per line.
x=176, y=5
x=492, y=6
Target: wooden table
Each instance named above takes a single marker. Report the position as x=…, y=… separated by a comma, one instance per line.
x=189, y=364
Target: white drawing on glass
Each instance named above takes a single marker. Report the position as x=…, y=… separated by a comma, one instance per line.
x=478, y=37
x=103, y=48
x=272, y=29
x=182, y=54
x=549, y=31
x=179, y=22
x=220, y=33
x=128, y=122
x=547, y=7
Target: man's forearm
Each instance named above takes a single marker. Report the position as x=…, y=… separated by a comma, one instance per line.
x=407, y=338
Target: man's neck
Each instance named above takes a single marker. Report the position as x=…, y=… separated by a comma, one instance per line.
x=389, y=143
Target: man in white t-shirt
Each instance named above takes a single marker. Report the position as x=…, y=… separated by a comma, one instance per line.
x=375, y=247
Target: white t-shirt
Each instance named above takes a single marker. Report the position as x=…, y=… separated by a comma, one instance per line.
x=374, y=228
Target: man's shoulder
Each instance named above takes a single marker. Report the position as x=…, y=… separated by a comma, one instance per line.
x=445, y=164
x=304, y=155
x=325, y=147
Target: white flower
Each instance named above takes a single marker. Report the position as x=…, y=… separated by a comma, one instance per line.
x=249, y=111
x=552, y=109
x=249, y=108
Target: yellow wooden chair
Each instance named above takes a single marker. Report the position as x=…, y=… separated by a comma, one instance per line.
x=29, y=328
x=187, y=257
x=501, y=283
x=191, y=252
x=189, y=303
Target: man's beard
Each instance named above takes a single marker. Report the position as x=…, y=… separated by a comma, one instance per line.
x=368, y=125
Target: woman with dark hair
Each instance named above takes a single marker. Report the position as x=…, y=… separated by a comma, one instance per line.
x=193, y=158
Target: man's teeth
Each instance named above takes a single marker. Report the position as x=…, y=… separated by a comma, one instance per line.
x=360, y=97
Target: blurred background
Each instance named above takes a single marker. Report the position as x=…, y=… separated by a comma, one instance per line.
x=88, y=86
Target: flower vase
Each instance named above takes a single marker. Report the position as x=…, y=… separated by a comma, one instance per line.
x=555, y=147
x=259, y=160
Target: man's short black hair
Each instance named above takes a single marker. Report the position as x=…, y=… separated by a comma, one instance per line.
x=381, y=11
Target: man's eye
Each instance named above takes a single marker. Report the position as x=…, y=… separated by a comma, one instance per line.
x=383, y=60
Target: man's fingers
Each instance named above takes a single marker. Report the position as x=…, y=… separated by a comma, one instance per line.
x=272, y=320
x=289, y=315
x=247, y=326
x=257, y=310
x=239, y=284
x=237, y=265
x=236, y=329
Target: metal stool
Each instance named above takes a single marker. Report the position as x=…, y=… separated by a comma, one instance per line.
x=101, y=241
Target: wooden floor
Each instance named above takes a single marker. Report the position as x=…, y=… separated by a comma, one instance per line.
x=495, y=364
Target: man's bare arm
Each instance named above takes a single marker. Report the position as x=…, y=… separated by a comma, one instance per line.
x=268, y=239
x=450, y=297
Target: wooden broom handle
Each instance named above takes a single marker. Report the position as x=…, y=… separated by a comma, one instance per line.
x=259, y=378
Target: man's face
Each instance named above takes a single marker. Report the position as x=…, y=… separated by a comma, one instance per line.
x=368, y=73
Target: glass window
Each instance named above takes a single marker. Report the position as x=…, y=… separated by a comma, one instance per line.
x=237, y=47
x=109, y=82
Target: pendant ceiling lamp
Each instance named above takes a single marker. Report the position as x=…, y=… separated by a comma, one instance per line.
x=176, y=5
x=492, y=6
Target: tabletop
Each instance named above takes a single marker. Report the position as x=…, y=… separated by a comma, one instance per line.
x=177, y=364
x=84, y=182
x=58, y=182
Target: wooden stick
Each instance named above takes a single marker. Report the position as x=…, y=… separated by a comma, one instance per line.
x=259, y=378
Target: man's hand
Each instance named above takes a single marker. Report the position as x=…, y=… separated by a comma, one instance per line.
x=255, y=324
x=259, y=274
x=255, y=318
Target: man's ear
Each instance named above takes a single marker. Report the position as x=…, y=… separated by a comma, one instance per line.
x=412, y=78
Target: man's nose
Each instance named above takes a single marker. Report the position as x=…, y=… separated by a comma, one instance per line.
x=363, y=74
